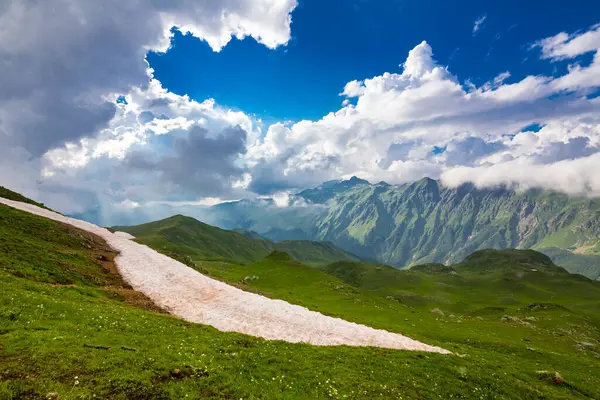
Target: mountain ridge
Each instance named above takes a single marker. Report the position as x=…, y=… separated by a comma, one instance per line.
x=425, y=221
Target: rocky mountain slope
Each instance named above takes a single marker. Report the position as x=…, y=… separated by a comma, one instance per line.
x=424, y=221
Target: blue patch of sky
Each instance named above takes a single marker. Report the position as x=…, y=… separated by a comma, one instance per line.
x=535, y=127
x=439, y=150
x=594, y=94
x=336, y=41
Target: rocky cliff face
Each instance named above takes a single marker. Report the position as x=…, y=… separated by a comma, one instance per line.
x=426, y=222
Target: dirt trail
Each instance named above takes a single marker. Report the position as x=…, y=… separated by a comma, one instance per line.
x=186, y=293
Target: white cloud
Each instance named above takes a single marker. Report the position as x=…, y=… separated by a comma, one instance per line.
x=426, y=106
x=281, y=199
x=479, y=23
x=129, y=204
x=575, y=176
x=62, y=59
x=564, y=46
x=131, y=145
x=64, y=62
x=353, y=89
x=498, y=80
x=202, y=202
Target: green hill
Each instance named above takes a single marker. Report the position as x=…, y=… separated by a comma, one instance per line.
x=488, y=278
x=501, y=308
x=186, y=236
x=491, y=260
x=59, y=298
x=249, y=234
x=10, y=195
x=313, y=253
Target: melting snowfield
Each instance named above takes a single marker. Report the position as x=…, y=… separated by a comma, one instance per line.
x=186, y=293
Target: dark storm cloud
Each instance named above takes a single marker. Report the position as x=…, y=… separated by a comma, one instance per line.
x=196, y=163
x=574, y=148
x=469, y=150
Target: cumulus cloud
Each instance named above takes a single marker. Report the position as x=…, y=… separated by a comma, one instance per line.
x=561, y=156
x=469, y=151
x=399, y=118
x=575, y=177
x=577, y=147
x=160, y=147
x=63, y=61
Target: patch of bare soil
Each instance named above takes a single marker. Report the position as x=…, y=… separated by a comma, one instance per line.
x=101, y=253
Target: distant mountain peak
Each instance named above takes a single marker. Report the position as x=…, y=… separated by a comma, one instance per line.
x=427, y=179
x=355, y=180
x=427, y=183
x=330, y=189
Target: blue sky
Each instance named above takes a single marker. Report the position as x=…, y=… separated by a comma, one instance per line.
x=336, y=41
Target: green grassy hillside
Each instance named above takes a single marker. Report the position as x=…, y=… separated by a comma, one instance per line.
x=60, y=295
x=313, y=253
x=502, y=279
x=189, y=237
x=59, y=300
x=511, y=312
x=10, y=195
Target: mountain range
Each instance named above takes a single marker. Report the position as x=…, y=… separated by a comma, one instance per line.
x=426, y=222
